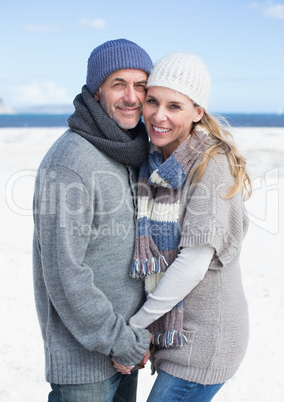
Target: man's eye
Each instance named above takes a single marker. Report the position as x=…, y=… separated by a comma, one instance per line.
x=140, y=88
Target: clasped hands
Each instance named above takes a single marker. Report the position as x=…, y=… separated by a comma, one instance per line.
x=127, y=369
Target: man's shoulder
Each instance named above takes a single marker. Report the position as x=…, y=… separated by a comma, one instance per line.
x=74, y=152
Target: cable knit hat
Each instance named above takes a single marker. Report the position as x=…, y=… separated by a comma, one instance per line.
x=115, y=55
x=185, y=73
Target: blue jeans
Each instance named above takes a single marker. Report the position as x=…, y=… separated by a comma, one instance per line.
x=118, y=388
x=168, y=388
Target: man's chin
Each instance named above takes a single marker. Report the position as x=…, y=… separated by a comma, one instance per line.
x=127, y=124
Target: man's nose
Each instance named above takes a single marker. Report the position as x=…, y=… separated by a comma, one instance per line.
x=130, y=95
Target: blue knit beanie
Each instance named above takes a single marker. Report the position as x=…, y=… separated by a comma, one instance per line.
x=112, y=56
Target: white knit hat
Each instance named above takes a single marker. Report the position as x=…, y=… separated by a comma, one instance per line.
x=185, y=73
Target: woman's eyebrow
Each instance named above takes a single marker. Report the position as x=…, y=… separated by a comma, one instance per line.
x=172, y=101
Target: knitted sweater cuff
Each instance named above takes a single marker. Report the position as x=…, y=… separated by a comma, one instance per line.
x=129, y=355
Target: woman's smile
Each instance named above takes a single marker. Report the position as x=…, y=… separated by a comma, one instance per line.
x=160, y=130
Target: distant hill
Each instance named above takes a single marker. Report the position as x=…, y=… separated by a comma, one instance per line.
x=47, y=109
x=42, y=109
x=4, y=109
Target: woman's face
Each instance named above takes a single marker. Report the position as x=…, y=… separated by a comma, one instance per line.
x=168, y=117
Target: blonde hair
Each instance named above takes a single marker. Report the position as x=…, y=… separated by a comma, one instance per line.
x=224, y=143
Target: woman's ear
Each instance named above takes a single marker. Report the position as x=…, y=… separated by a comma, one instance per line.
x=199, y=114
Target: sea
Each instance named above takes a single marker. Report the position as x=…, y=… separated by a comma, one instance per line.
x=60, y=120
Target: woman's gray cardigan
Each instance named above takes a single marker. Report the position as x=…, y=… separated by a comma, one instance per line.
x=215, y=311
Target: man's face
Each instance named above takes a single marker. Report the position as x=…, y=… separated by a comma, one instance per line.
x=122, y=95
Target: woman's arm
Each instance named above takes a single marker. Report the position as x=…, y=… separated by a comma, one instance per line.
x=188, y=269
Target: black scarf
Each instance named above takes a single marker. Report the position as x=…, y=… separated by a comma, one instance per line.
x=91, y=122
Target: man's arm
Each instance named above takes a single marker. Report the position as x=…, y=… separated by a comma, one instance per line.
x=83, y=308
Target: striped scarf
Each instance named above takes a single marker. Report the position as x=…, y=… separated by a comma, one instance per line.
x=158, y=234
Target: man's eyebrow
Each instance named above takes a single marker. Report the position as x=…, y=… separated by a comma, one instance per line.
x=124, y=81
x=141, y=82
x=119, y=79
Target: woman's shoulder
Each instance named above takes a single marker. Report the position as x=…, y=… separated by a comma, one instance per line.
x=217, y=170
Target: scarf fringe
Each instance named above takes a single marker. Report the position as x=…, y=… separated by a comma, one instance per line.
x=169, y=339
x=142, y=268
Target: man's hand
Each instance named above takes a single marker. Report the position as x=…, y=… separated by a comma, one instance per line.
x=122, y=369
x=127, y=369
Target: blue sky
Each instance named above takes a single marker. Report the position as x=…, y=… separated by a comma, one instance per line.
x=44, y=46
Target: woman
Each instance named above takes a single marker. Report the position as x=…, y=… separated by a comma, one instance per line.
x=191, y=223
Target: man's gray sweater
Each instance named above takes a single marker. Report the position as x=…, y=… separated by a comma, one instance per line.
x=83, y=246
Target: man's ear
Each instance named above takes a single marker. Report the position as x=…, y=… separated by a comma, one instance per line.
x=97, y=95
x=199, y=114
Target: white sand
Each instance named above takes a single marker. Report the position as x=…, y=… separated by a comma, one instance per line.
x=22, y=365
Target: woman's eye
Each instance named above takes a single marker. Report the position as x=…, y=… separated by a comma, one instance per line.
x=175, y=107
x=152, y=101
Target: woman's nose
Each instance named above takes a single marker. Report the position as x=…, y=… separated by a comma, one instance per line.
x=160, y=114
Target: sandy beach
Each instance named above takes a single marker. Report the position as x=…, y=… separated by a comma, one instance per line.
x=260, y=377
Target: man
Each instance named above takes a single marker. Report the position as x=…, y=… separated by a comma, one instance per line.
x=84, y=233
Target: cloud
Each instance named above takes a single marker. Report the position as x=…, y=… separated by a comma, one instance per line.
x=40, y=28
x=98, y=23
x=40, y=93
x=274, y=11
x=270, y=10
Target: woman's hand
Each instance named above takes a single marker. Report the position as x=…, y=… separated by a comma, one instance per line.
x=127, y=369
x=143, y=362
